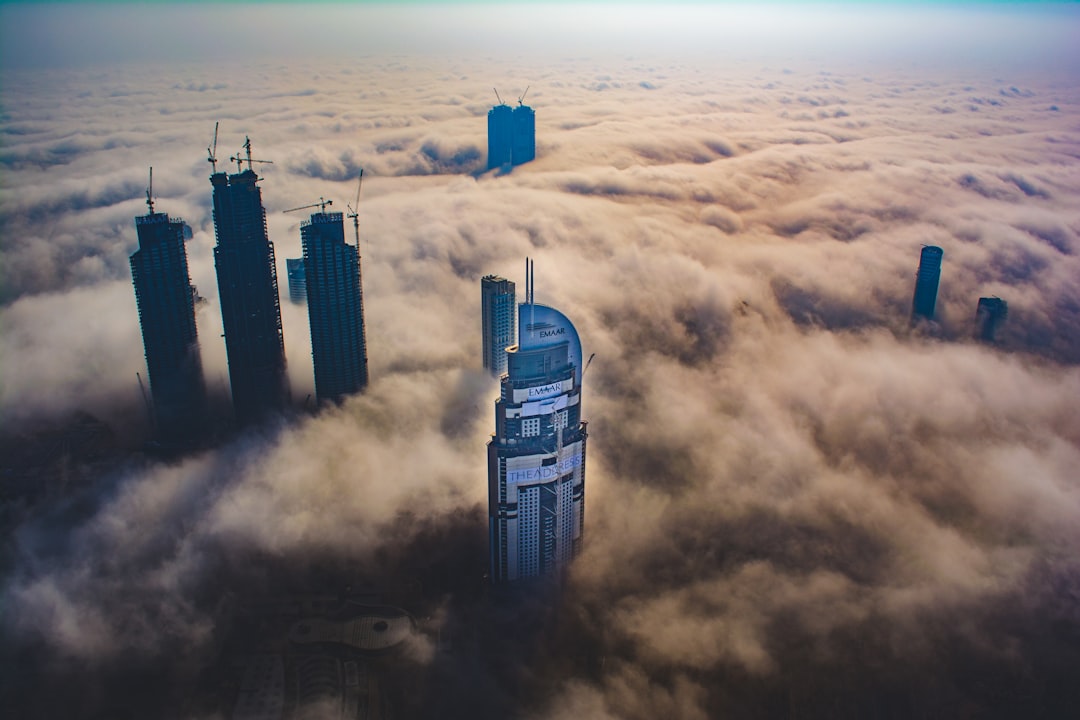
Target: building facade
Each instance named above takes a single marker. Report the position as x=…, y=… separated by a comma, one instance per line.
x=248, y=292
x=524, y=144
x=500, y=136
x=498, y=312
x=536, y=457
x=926, y=283
x=335, y=307
x=166, y=302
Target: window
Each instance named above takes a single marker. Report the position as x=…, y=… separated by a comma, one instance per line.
x=530, y=427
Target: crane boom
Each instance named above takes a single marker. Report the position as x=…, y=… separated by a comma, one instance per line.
x=247, y=159
x=146, y=401
x=321, y=205
x=211, y=151
x=497, y=95
x=522, y=98
x=354, y=209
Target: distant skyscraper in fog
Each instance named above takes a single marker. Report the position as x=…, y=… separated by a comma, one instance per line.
x=166, y=301
x=524, y=148
x=990, y=313
x=498, y=309
x=511, y=134
x=335, y=307
x=536, y=457
x=926, y=283
x=294, y=268
x=500, y=136
x=248, y=291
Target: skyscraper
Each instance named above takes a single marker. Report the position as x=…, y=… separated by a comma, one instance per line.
x=500, y=136
x=536, y=457
x=166, y=301
x=524, y=145
x=248, y=290
x=335, y=307
x=989, y=314
x=294, y=268
x=497, y=312
x=926, y=283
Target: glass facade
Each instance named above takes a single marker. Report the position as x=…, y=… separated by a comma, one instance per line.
x=498, y=307
x=926, y=283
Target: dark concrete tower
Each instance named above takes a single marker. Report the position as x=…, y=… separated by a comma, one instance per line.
x=248, y=291
x=989, y=314
x=500, y=136
x=536, y=457
x=335, y=307
x=926, y=283
x=166, y=301
x=497, y=314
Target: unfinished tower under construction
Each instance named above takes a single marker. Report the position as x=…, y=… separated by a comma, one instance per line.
x=166, y=301
x=335, y=307
x=248, y=292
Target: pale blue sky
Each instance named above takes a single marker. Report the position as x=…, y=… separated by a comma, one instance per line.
x=91, y=33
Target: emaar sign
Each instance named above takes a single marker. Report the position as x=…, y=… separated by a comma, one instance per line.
x=545, y=391
x=541, y=326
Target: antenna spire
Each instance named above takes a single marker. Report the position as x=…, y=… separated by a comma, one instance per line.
x=530, y=290
x=150, y=192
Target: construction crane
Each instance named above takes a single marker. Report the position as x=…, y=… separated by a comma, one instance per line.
x=587, y=364
x=321, y=205
x=522, y=98
x=150, y=192
x=211, y=152
x=354, y=213
x=146, y=402
x=240, y=160
x=497, y=95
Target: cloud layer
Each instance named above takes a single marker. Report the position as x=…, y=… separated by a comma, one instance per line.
x=797, y=505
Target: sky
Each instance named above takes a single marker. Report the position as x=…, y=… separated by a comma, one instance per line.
x=797, y=504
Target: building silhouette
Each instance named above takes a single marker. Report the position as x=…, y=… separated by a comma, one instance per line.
x=926, y=283
x=166, y=302
x=335, y=307
x=498, y=311
x=500, y=136
x=524, y=143
x=536, y=457
x=248, y=290
x=294, y=269
x=511, y=134
x=989, y=314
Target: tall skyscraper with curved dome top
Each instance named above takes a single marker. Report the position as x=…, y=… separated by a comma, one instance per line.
x=536, y=457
